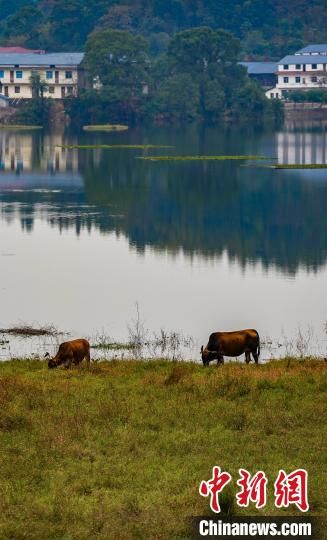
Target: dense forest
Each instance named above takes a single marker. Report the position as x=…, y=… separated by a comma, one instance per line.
x=268, y=29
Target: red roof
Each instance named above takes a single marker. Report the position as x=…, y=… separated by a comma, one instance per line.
x=20, y=50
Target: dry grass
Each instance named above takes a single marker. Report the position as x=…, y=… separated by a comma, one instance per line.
x=118, y=451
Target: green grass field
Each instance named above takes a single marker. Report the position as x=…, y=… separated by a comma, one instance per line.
x=119, y=451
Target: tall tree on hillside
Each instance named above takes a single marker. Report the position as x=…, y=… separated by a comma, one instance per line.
x=23, y=26
x=73, y=20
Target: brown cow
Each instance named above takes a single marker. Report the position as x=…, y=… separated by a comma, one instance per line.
x=222, y=344
x=71, y=352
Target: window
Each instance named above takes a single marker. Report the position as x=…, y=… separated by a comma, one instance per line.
x=69, y=90
x=297, y=79
x=285, y=66
x=313, y=79
x=19, y=74
x=314, y=66
x=51, y=90
x=17, y=89
x=68, y=74
x=49, y=75
x=297, y=66
x=285, y=79
x=271, y=94
x=2, y=73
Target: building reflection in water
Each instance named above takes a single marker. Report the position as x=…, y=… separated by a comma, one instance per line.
x=298, y=145
x=20, y=151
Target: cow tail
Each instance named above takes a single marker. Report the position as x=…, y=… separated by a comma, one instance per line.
x=258, y=350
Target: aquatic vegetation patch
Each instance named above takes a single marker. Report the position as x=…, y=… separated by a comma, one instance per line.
x=299, y=166
x=111, y=146
x=201, y=158
x=19, y=127
x=106, y=127
x=294, y=166
x=113, y=346
x=24, y=330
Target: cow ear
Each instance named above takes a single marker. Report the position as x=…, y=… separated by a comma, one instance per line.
x=46, y=354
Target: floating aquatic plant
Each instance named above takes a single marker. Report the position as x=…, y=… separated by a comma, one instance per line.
x=299, y=166
x=19, y=127
x=113, y=346
x=106, y=127
x=112, y=146
x=294, y=166
x=201, y=158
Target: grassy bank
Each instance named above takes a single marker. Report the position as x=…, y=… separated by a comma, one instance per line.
x=119, y=451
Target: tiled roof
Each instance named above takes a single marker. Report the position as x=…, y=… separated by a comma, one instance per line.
x=19, y=50
x=260, y=68
x=303, y=59
x=316, y=49
x=35, y=60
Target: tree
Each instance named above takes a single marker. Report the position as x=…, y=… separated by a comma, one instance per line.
x=210, y=58
x=39, y=86
x=117, y=17
x=119, y=60
x=178, y=97
x=200, y=49
x=36, y=110
x=23, y=25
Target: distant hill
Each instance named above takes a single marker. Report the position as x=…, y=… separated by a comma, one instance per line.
x=268, y=29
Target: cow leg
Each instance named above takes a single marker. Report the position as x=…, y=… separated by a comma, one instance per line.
x=88, y=359
x=255, y=356
x=220, y=359
x=247, y=357
x=69, y=360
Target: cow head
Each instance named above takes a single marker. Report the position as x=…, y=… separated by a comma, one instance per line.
x=52, y=363
x=207, y=355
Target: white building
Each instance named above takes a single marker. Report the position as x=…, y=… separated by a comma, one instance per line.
x=304, y=70
x=62, y=73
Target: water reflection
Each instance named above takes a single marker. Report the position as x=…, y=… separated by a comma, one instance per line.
x=262, y=215
x=304, y=142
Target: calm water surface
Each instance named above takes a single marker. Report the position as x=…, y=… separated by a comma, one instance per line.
x=200, y=246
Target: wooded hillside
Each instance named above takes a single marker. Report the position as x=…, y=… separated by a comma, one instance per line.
x=268, y=29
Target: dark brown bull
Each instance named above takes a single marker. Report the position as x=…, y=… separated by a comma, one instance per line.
x=222, y=344
x=71, y=352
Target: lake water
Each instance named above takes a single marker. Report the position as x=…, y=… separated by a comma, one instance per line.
x=86, y=234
